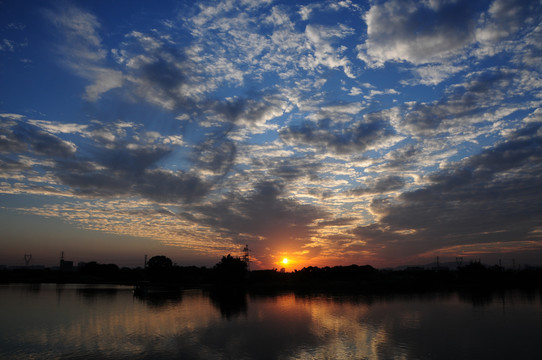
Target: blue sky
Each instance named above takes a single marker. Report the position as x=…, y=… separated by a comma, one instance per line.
x=331, y=132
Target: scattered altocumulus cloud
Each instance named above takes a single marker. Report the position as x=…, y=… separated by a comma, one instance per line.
x=385, y=132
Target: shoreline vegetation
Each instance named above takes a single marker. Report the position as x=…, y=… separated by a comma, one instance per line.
x=160, y=275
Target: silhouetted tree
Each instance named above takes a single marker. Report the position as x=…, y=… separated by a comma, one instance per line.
x=159, y=262
x=231, y=269
x=160, y=269
x=95, y=272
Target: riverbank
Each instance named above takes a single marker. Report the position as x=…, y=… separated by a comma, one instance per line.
x=353, y=279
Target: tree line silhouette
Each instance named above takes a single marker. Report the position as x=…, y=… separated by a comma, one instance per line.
x=232, y=272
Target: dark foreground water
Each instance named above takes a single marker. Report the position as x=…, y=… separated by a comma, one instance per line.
x=108, y=322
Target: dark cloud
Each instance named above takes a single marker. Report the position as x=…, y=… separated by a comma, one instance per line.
x=22, y=137
x=493, y=196
x=359, y=137
x=401, y=30
x=10, y=164
x=253, y=108
x=217, y=154
x=381, y=185
x=403, y=158
x=293, y=168
x=481, y=92
x=160, y=73
x=85, y=178
x=171, y=187
x=132, y=171
x=132, y=160
x=337, y=222
x=115, y=168
x=167, y=80
x=506, y=17
x=264, y=213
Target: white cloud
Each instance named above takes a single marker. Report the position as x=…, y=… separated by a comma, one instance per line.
x=435, y=74
x=535, y=116
x=7, y=45
x=278, y=17
x=504, y=18
x=83, y=50
x=323, y=51
x=305, y=11
x=80, y=30
x=59, y=128
x=355, y=91
x=12, y=116
x=351, y=108
x=104, y=80
x=383, y=92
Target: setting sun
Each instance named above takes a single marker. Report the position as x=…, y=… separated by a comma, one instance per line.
x=285, y=261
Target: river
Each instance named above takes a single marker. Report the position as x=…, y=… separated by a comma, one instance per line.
x=71, y=321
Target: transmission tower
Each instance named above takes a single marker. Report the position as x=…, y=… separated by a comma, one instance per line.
x=27, y=258
x=459, y=260
x=246, y=257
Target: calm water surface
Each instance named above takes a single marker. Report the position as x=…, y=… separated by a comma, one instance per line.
x=108, y=322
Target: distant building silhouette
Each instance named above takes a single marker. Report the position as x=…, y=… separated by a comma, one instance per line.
x=65, y=265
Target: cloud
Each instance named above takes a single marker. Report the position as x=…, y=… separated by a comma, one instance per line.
x=171, y=187
x=125, y=172
x=216, y=154
x=7, y=45
x=113, y=167
x=293, y=168
x=489, y=197
x=80, y=30
x=417, y=32
x=403, y=158
x=104, y=80
x=21, y=137
x=434, y=74
x=82, y=49
x=163, y=76
x=369, y=133
x=505, y=18
x=323, y=51
x=305, y=11
x=381, y=185
x=264, y=213
x=465, y=103
x=57, y=127
x=251, y=111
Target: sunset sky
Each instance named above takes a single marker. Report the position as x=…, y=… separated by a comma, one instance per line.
x=330, y=133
